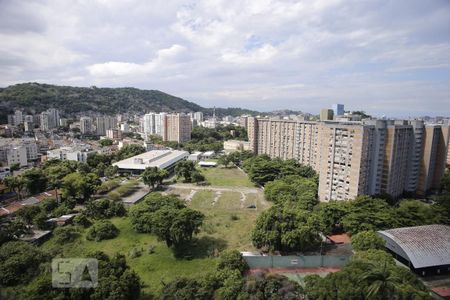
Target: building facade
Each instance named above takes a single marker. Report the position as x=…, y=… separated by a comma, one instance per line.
x=358, y=158
x=178, y=128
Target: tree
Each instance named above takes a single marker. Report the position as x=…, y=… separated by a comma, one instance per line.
x=104, y=208
x=27, y=213
x=19, y=262
x=369, y=275
x=102, y=230
x=55, y=175
x=224, y=160
x=197, y=177
x=366, y=240
x=293, y=190
x=286, y=229
x=271, y=286
x=233, y=260
x=79, y=186
x=382, y=282
x=15, y=184
x=106, y=142
x=415, y=213
x=368, y=213
x=35, y=180
x=185, y=168
x=167, y=217
x=151, y=176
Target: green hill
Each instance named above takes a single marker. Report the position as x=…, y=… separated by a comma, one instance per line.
x=35, y=97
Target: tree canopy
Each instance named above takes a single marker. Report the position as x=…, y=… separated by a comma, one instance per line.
x=167, y=217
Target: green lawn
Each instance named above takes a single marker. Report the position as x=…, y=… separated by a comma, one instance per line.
x=227, y=221
x=226, y=177
x=154, y=269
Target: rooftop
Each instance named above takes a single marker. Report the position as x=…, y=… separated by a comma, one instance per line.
x=424, y=246
x=155, y=158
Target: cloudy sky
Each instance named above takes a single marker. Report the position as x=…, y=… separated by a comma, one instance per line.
x=385, y=57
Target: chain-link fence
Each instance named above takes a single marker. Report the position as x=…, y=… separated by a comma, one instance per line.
x=291, y=261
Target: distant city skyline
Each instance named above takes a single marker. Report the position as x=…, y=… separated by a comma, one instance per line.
x=385, y=58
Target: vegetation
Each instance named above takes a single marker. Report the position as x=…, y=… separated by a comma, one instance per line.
x=293, y=190
x=66, y=234
x=366, y=240
x=19, y=262
x=286, y=229
x=206, y=139
x=72, y=100
x=106, y=142
x=185, y=169
x=232, y=177
x=168, y=218
x=236, y=158
x=227, y=282
x=104, y=208
x=153, y=176
x=370, y=275
x=115, y=281
x=262, y=169
x=102, y=230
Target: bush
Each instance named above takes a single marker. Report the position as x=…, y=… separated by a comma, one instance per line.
x=366, y=240
x=82, y=220
x=102, y=230
x=66, y=234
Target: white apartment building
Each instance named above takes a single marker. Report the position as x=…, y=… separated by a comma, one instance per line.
x=86, y=125
x=71, y=153
x=14, y=151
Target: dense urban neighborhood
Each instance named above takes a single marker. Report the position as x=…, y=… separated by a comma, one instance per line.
x=196, y=206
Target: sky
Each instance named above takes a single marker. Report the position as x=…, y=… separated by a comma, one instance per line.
x=385, y=57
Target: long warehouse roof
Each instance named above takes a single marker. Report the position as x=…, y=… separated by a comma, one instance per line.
x=155, y=158
x=424, y=246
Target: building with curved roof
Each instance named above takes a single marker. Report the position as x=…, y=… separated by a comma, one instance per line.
x=425, y=249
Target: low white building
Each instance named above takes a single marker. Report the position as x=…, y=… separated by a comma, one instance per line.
x=70, y=153
x=162, y=159
x=18, y=151
x=196, y=156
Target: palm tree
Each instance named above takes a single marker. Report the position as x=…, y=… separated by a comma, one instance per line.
x=382, y=282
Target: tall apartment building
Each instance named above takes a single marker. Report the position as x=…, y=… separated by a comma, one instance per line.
x=49, y=119
x=86, y=125
x=356, y=158
x=338, y=109
x=104, y=123
x=154, y=123
x=326, y=114
x=198, y=116
x=178, y=128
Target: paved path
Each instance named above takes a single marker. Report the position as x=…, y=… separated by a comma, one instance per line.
x=141, y=190
x=214, y=188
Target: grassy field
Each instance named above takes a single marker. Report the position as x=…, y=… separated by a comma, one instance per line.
x=154, y=269
x=228, y=224
x=226, y=177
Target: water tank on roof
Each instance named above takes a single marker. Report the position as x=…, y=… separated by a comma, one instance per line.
x=138, y=160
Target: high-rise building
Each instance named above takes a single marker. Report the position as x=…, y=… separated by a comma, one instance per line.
x=178, y=128
x=198, y=116
x=105, y=123
x=86, y=125
x=338, y=109
x=49, y=119
x=326, y=114
x=358, y=158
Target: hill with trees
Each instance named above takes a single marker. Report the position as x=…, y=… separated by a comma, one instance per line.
x=36, y=97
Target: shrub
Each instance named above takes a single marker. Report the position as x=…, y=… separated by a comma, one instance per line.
x=66, y=234
x=102, y=230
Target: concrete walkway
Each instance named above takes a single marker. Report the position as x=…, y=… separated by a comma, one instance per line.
x=214, y=188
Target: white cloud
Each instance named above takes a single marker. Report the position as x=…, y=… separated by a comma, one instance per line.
x=261, y=54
